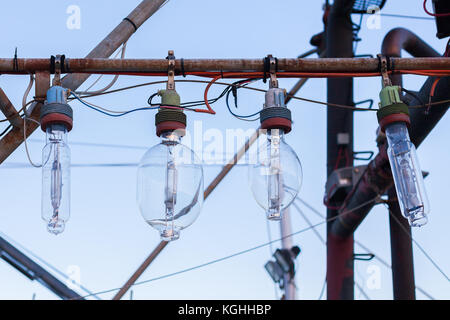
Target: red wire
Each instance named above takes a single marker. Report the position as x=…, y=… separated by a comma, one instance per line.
x=254, y=75
x=434, y=14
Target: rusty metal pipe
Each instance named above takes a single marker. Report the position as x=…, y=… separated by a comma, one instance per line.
x=319, y=65
x=339, y=45
x=399, y=39
x=403, y=282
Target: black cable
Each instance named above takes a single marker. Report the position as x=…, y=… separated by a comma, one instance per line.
x=234, y=91
x=8, y=127
x=197, y=103
x=236, y=253
x=6, y=130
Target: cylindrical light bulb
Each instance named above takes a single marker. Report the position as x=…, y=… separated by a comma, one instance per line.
x=170, y=186
x=56, y=179
x=408, y=178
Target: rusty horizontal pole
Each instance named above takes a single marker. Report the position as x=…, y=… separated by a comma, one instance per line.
x=93, y=65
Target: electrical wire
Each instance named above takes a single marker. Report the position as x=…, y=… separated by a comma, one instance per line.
x=322, y=291
x=322, y=240
x=233, y=89
x=18, y=112
x=269, y=236
x=190, y=104
x=237, y=253
x=27, y=91
x=25, y=118
x=114, y=80
x=44, y=262
x=107, y=112
x=419, y=246
x=6, y=130
x=404, y=16
x=255, y=89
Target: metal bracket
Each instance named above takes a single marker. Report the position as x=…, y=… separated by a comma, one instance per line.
x=42, y=85
x=171, y=71
x=384, y=70
x=273, y=66
x=57, y=76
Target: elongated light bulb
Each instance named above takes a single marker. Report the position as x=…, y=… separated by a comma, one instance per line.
x=408, y=178
x=56, y=120
x=56, y=179
x=276, y=175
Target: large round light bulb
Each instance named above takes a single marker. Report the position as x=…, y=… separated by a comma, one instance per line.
x=276, y=176
x=170, y=186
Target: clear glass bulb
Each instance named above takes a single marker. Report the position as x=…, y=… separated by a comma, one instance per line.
x=170, y=186
x=276, y=177
x=56, y=179
x=408, y=178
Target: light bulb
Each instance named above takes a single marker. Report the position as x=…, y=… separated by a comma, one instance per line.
x=170, y=186
x=56, y=120
x=407, y=175
x=275, y=178
x=56, y=179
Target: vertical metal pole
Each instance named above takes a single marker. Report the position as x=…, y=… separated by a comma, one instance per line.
x=286, y=243
x=339, y=40
x=401, y=252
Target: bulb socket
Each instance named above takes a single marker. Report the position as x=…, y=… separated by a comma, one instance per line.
x=276, y=118
x=392, y=108
x=56, y=113
x=169, y=120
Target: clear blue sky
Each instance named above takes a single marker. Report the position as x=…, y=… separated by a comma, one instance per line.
x=106, y=236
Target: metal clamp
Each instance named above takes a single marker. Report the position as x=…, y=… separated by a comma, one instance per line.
x=273, y=66
x=57, y=76
x=384, y=70
x=171, y=71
